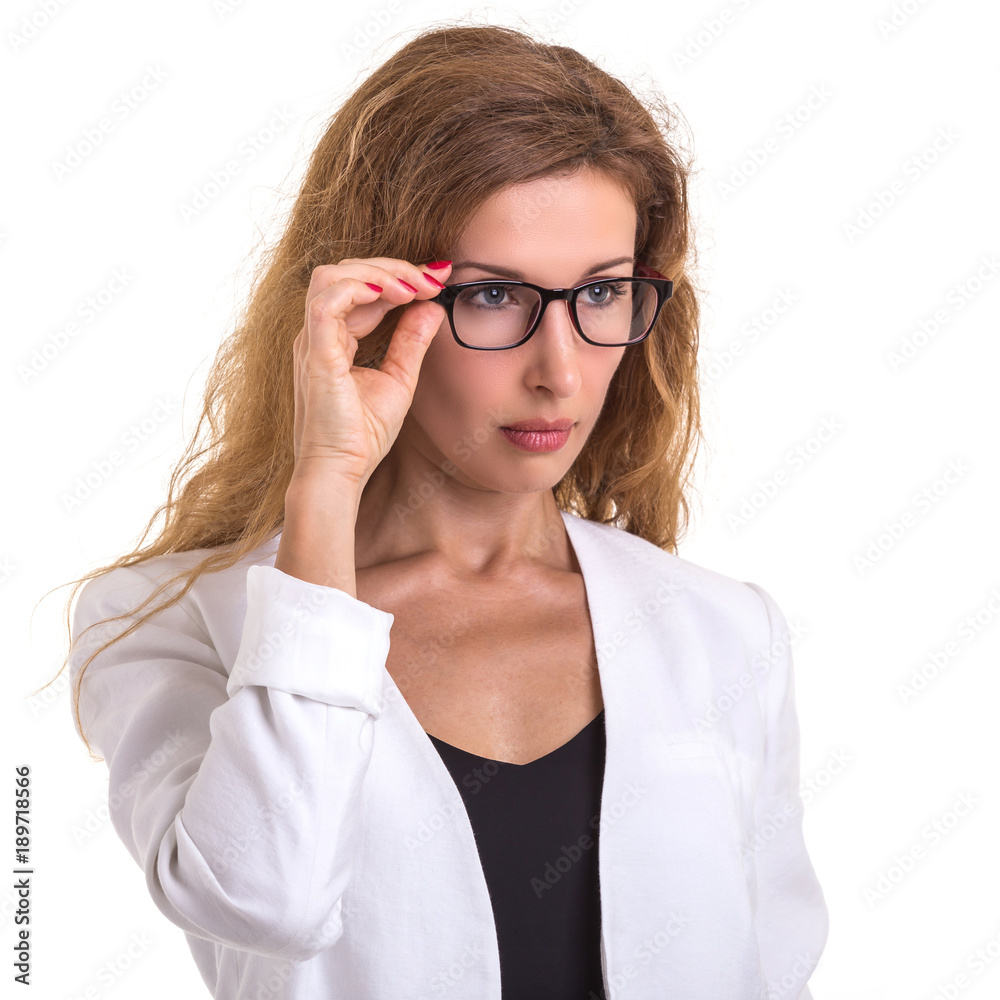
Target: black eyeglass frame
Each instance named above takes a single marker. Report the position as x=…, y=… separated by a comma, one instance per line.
x=664, y=289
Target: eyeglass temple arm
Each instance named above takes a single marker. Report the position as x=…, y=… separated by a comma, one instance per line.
x=643, y=270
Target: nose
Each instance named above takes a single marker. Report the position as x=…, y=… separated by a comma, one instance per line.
x=557, y=320
x=553, y=348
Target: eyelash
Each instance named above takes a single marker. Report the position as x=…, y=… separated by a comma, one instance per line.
x=616, y=289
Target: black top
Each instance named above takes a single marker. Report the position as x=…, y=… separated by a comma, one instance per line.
x=536, y=828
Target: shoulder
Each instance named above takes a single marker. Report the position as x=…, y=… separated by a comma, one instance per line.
x=637, y=568
x=214, y=594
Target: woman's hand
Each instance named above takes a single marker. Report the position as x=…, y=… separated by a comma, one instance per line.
x=346, y=417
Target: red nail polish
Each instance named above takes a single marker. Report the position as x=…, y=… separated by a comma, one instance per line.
x=438, y=264
x=378, y=288
x=406, y=284
x=434, y=281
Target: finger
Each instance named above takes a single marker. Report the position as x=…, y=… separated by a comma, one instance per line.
x=300, y=403
x=363, y=318
x=326, y=315
x=426, y=281
x=413, y=335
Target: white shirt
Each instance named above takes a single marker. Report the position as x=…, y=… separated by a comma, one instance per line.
x=292, y=816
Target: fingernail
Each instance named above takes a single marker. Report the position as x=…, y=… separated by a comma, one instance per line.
x=434, y=281
x=438, y=264
x=406, y=284
x=378, y=288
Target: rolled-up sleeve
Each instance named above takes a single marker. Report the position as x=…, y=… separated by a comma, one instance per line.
x=792, y=921
x=237, y=790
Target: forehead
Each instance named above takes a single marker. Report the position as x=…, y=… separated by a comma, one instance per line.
x=551, y=223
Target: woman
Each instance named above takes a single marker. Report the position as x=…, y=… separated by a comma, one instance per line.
x=438, y=709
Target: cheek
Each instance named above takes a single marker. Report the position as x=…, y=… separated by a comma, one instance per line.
x=600, y=374
x=454, y=386
x=609, y=370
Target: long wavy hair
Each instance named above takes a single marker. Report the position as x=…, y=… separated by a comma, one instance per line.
x=456, y=114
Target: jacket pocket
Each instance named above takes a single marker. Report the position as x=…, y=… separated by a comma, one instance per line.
x=716, y=781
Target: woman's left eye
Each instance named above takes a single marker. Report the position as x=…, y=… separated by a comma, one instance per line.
x=605, y=291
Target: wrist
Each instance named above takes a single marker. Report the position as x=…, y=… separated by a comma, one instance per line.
x=326, y=487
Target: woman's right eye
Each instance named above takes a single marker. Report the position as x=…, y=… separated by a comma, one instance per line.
x=487, y=295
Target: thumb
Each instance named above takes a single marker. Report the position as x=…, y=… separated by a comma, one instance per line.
x=414, y=332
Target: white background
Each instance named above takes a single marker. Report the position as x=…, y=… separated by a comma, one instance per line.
x=878, y=770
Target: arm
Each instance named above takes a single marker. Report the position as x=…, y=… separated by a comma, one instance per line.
x=238, y=795
x=792, y=920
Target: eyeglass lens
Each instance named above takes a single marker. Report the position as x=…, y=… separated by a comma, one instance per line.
x=495, y=314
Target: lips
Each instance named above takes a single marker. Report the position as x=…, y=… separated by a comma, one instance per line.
x=541, y=426
x=537, y=441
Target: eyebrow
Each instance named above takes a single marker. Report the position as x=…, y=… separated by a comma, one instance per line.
x=509, y=272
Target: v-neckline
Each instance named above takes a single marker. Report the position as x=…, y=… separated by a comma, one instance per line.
x=600, y=627
x=510, y=763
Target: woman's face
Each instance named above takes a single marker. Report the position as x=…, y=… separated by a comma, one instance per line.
x=554, y=233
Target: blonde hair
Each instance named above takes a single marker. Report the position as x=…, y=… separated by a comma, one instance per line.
x=403, y=164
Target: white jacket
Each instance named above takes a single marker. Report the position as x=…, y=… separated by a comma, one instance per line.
x=294, y=819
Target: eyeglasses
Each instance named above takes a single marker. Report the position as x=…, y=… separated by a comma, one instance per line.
x=607, y=312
